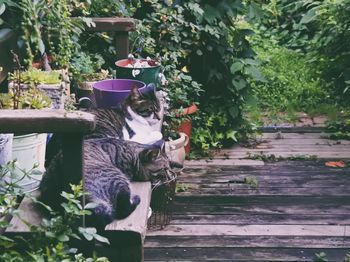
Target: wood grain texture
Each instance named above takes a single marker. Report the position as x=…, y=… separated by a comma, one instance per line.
x=137, y=221
x=298, y=209
x=114, y=24
x=241, y=254
x=46, y=121
x=248, y=241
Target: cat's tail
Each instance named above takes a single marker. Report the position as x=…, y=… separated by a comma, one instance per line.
x=125, y=204
x=104, y=214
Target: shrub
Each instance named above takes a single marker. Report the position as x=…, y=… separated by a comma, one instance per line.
x=204, y=40
x=292, y=83
x=50, y=240
x=319, y=28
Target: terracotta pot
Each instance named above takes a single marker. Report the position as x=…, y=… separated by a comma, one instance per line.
x=186, y=125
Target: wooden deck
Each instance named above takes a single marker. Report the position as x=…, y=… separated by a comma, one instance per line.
x=297, y=209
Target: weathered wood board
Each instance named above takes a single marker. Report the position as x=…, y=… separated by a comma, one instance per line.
x=297, y=209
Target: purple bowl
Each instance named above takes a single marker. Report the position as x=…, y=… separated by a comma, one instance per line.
x=110, y=93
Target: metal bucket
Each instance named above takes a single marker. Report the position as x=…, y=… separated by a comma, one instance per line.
x=5, y=148
x=29, y=151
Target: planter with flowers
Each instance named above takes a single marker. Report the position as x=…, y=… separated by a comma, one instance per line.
x=52, y=83
x=86, y=71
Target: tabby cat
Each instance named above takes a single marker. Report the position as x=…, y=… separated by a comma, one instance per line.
x=110, y=162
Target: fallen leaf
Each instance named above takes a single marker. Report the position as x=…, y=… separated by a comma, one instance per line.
x=335, y=164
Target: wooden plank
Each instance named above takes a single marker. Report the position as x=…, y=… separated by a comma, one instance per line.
x=247, y=241
x=137, y=221
x=287, y=135
x=294, y=141
x=44, y=121
x=122, y=45
x=270, y=178
x=127, y=235
x=224, y=162
x=292, y=128
x=231, y=159
x=275, y=191
x=242, y=254
x=28, y=211
x=191, y=218
x=270, y=169
x=265, y=209
x=112, y=24
x=287, y=148
x=253, y=230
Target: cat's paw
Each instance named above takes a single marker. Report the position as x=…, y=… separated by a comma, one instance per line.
x=136, y=200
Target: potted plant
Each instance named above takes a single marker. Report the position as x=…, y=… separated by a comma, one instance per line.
x=28, y=149
x=86, y=71
x=182, y=93
x=52, y=83
x=144, y=70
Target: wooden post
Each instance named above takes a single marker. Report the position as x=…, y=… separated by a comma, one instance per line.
x=122, y=44
x=121, y=27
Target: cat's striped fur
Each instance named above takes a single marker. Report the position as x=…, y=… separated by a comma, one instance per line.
x=110, y=163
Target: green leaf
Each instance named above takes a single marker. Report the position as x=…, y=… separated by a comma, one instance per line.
x=50, y=234
x=101, y=239
x=2, y=8
x=41, y=46
x=255, y=73
x=239, y=84
x=308, y=17
x=232, y=135
x=236, y=66
x=90, y=205
x=63, y=238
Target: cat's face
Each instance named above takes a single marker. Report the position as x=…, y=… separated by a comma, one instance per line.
x=155, y=164
x=143, y=104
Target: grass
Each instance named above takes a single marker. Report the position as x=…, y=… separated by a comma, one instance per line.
x=292, y=85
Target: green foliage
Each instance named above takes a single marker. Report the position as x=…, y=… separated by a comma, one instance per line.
x=205, y=41
x=35, y=76
x=321, y=257
x=251, y=182
x=103, y=8
x=87, y=67
x=44, y=26
x=292, y=83
x=273, y=158
x=30, y=97
x=51, y=239
x=340, y=127
x=318, y=28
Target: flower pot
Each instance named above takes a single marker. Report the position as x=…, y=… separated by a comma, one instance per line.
x=175, y=149
x=56, y=92
x=29, y=150
x=110, y=93
x=5, y=148
x=147, y=75
x=186, y=125
x=85, y=89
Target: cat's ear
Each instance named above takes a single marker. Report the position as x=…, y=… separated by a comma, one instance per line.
x=149, y=155
x=135, y=93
